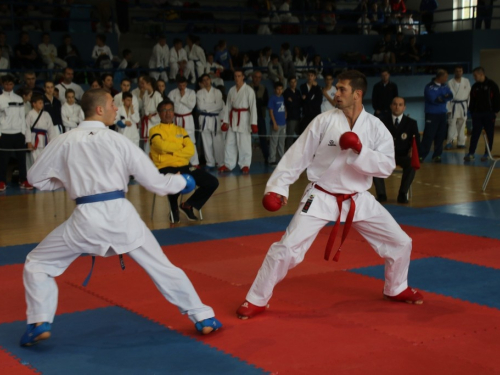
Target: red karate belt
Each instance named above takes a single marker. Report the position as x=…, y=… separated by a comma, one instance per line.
x=144, y=125
x=38, y=132
x=238, y=110
x=348, y=222
x=182, y=116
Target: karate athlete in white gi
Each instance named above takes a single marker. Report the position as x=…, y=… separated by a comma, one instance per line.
x=39, y=127
x=150, y=118
x=196, y=56
x=159, y=59
x=127, y=119
x=184, y=100
x=210, y=104
x=179, y=61
x=71, y=112
x=457, y=108
x=93, y=164
x=340, y=170
x=240, y=121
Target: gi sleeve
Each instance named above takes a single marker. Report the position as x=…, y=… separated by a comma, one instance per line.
x=45, y=172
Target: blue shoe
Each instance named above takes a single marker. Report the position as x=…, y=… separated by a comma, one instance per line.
x=35, y=334
x=208, y=325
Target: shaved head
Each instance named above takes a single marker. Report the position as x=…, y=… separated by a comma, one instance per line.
x=92, y=99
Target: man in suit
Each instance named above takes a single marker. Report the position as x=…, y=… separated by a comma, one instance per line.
x=312, y=97
x=383, y=93
x=403, y=129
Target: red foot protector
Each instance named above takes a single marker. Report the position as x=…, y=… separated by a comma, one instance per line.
x=248, y=310
x=409, y=295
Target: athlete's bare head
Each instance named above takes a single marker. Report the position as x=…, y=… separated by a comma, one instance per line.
x=98, y=105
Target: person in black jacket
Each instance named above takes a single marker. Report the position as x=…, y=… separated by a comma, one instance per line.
x=52, y=106
x=312, y=97
x=262, y=98
x=293, y=104
x=403, y=129
x=382, y=95
x=484, y=105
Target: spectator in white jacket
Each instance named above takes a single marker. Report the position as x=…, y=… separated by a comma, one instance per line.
x=196, y=57
x=48, y=52
x=214, y=70
x=178, y=61
x=127, y=119
x=160, y=59
x=71, y=112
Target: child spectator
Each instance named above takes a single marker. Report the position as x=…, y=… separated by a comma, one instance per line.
x=247, y=66
x=102, y=53
x=53, y=107
x=39, y=127
x=286, y=60
x=26, y=94
x=161, y=86
x=317, y=65
x=48, y=52
x=293, y=104
x=222, y=57
x=160, y=59
x=214, y=70
x=277, y=113
x=179, y=61
x=329, y=92
x=118, y=98
x=127, y=119
x=108, y=84
x=71, y=112
x=275, y=71
x=127, y=63
x=299, y=62
x=196, y=57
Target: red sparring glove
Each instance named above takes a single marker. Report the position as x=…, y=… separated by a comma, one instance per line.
x=350, y=140
x=272, y=202
x=224, y=127
x=255, y=129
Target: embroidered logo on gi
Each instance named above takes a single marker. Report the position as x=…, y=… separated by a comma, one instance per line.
x=404, y=136
x=91, y=133
x=308, y=204
x=331, y=143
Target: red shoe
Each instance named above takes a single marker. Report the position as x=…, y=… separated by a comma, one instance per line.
x=248, y=310
x=2, y=186
x=245, y=170
x=224, y=169
x=409, y=295
x=26, y=185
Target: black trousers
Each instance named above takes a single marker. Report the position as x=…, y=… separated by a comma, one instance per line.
x=480, y=121
x=11, y=142
x=436, y=130
x=206, y=183
x=261, y=124
x=408, y=176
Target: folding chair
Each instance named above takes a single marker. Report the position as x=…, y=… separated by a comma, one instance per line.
x=171, y=214
x=491, y=158
x=400, y=171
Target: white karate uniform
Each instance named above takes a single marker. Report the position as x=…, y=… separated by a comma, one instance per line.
x=135, y=102
x=197, y=61
x=211, y=134
x=49, y=56
x=159, y=60
x=151, y=102
x=83, y=162
x=175, y=57
x=4, y=65
x=137, y=94
x=239, y=136
x=336, y=171
x=326, y=105
x=71, y=115
x=98, y=51
x=185, y=106
x=210, y=69
x=132, y=131
x=458, y=110
x=39, y=140
x=62, y=87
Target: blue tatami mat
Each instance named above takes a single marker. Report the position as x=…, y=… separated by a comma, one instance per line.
x=115, y=341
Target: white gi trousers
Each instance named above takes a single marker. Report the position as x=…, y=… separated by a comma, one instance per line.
x=456, y=122
x=196, y=68
x=52, y=256
x=174, y=69
x=380, y=230
x=157, y=75
x=238, y=148
x=213, y=145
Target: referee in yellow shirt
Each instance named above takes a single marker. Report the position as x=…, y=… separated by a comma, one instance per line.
x=171, y=149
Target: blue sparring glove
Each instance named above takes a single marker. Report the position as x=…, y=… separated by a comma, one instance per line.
x=190, y=184
x=121, y=124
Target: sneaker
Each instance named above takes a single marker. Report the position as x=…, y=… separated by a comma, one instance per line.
x=248, y=310
x=224, y=169
x=436, y=159
x=409, y=295
x=448, y=146
x=485, y=157
x=2, y=186
x=188, y=212
x=245, y=170
x=26, y=185
x=174, y=217
x=208, y=326
x=469, y=157
x=35, y=334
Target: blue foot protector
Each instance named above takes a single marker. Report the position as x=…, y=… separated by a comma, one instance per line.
x=35, y=334
x=208, y=325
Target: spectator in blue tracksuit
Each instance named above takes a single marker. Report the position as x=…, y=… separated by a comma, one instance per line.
x=427, y=9
x=437, y=94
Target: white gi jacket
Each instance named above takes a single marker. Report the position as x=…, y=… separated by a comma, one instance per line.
x=196, y=53
x=43, y=123
x=12, y=114
x=183, y=106
x=71, y=115
x=461, y=98
x=326, y=105
x=119, y=102
x=160, y=57
x=151, y=101
x=132, y=131
x=176, y=56
x=242, y=99
x=92, y=159
x=209, y=102
x=345, y=172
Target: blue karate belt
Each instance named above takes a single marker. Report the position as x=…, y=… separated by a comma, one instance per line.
x=208, y=114
x=461, y=102
x=101, y=198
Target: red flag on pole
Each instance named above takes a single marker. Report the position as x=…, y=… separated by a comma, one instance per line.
x=415, y=162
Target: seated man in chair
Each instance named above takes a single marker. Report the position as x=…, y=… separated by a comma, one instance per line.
x=171, y=149
x=403, y=129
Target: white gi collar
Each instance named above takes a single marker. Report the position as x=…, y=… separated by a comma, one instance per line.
x=92, y=124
